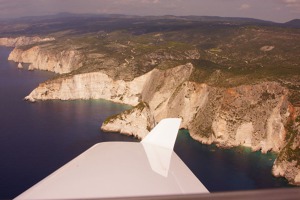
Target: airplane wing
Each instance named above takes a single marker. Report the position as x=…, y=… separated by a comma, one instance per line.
x=123, y=169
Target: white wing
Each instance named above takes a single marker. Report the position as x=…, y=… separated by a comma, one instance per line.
x=123, y=169
x=164, y=134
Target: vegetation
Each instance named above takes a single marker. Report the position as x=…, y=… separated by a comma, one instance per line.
x=225, y=52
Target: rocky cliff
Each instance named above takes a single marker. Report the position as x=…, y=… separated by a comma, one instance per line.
x=248, y=115
x=136, y=122
x=287, y=163
x=23, y=40
x=93, y=85
x=40, y=57
x=254, y=116
x=35, y=51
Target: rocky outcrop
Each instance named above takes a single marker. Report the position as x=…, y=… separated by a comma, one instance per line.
x=21, y=41
x=287, y=163
x=287, y=169
x=136, y=122
x=20, y=66
x=249, y=115
x=55, y=61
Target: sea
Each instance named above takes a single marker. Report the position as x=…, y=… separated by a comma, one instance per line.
x=38, y=138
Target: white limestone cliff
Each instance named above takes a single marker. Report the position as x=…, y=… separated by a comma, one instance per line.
x=23, y=40
x=250, y=115
x=94, y=85
x=42, y=59
x=287, y=163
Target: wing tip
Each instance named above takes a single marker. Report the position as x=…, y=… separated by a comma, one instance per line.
x=164, y=134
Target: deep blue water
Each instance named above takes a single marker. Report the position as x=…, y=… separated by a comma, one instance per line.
x=227, y=169
x=38, y=138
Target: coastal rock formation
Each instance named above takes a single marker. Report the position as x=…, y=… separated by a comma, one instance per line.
x=55, y=61
x=136, y=122
x=94, y=85
x=288, y=169
x=20, y=66
x=287, y=163
x=249, y=115
x=254, y=116
x=23, y=40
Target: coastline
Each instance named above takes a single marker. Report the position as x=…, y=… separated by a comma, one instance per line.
x=172, y=88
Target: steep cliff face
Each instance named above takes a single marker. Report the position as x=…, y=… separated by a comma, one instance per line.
x=250, y=115
x=21, y=41
x=94, y=85
x=162, y=85
x=287, y=163
x=55, y=61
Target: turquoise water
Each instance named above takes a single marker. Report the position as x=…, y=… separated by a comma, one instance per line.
x=38, y=138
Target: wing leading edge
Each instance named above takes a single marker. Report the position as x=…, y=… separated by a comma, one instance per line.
x=123, y=169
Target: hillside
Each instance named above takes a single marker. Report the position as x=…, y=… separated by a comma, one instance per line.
x=295, y=23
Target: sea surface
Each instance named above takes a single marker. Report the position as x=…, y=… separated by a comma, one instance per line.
x=38, y=138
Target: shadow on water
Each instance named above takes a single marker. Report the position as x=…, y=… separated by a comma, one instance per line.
x=227, y=169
